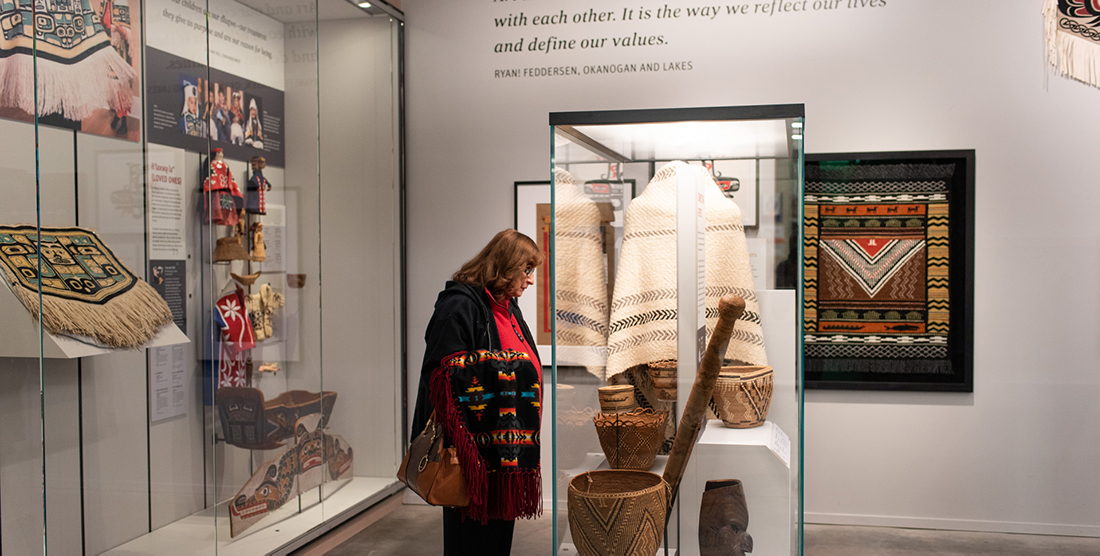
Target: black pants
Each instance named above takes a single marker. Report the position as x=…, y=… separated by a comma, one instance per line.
x=470, y=538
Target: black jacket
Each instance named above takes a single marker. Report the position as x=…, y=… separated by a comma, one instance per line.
x=463, y=321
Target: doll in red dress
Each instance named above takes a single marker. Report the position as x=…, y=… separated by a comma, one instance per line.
x=222, y=201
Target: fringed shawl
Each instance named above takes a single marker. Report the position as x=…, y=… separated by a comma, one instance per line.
x=643, y=310
x=581, y=276
x=87, y=291
x=490, y=405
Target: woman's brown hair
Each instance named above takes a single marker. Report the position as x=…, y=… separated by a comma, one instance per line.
x=506, y=256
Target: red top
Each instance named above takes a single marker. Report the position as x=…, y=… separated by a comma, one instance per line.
x=511, y=335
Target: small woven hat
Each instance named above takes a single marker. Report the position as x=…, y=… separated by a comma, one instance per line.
x=230, y=249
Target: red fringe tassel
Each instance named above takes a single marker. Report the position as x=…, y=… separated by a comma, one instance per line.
x=515, y=494
x=473, y=468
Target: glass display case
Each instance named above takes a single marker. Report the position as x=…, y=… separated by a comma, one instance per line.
x=634, y=291
x=204, y=208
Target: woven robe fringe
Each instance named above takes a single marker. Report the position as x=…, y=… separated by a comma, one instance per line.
x=581, y=277
x=643, y=310
x=1074, y=57
x=492, y=494
x=128, y=321
x=75, y=91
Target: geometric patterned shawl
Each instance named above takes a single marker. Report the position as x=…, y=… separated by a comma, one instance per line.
x=643, y=308
x=490, y=406
x=1073, y=38
x=581, y=280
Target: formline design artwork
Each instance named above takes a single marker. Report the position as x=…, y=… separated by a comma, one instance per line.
x=316, y=457
x=1073, y=38
x=87, y=292
x=888, y=270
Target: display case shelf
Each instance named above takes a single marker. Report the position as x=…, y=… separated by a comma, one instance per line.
x=768, y=435
x=194, y=535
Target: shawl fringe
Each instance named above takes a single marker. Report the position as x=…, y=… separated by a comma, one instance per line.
x=518, y=495
x=75, y=91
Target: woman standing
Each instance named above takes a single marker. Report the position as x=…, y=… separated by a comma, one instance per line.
x=477, y=310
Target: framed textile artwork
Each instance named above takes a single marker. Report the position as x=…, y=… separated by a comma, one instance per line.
x=888, y=271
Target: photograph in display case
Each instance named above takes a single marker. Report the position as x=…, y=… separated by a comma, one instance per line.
x=83, y=57
x=889, y=270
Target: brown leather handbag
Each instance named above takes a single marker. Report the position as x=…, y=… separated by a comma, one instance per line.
x=432, y=471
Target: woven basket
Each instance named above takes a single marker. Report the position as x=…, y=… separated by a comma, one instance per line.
x=631, y=440
x=229, y=249
x=617, y=512
x=617, y=399
x=743, y=395
x=663, y=374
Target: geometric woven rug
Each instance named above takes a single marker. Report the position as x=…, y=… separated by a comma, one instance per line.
x=877, y=269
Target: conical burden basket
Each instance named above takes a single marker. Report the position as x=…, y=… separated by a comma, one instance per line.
x=617, y=512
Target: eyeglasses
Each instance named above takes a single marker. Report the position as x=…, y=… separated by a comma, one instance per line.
x=529, y=272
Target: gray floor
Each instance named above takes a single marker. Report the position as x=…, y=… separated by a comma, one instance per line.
x=837, y=540
x=414, y=530
x=417, y=529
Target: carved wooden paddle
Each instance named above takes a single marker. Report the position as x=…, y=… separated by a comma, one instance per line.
x=730, y=309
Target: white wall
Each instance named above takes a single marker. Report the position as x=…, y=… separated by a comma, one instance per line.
x=1017, y=455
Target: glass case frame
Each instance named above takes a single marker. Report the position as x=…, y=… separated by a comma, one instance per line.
x=638, y=142
x=131, y=447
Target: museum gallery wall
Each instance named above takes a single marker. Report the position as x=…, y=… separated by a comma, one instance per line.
x=875, y=76
x=179, y=171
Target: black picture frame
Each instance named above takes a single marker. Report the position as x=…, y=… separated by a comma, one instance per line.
x=888, y=373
